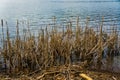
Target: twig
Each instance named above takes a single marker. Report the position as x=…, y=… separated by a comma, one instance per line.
x=85, y=77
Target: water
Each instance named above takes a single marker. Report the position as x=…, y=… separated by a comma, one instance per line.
x=40, y=11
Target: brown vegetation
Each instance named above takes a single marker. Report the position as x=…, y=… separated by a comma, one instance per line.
x=28, y=53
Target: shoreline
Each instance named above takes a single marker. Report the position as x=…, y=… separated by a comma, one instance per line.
x=52, y=48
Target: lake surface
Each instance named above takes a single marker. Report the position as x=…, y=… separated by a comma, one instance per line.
x=40, y=12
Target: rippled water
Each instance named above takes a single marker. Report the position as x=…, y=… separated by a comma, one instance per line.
x=40, y=12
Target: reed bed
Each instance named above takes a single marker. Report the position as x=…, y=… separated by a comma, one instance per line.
x=83, y=46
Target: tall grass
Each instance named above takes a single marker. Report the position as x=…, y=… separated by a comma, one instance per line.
x=53, y=48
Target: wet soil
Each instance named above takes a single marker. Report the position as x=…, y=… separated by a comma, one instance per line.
x=65, y=72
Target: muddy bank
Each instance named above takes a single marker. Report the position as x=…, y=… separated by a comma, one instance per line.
x=65, y=72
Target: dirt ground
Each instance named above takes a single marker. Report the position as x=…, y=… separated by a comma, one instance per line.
x=73, y=72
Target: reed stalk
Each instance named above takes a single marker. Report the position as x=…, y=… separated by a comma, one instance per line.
x=53, y=48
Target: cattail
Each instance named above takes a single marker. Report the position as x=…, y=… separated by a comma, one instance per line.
x=2, y=31
x=2, y=22
x=9, y=49
x=28, y=26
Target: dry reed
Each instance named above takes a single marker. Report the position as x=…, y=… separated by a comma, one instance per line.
x=53, y=48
